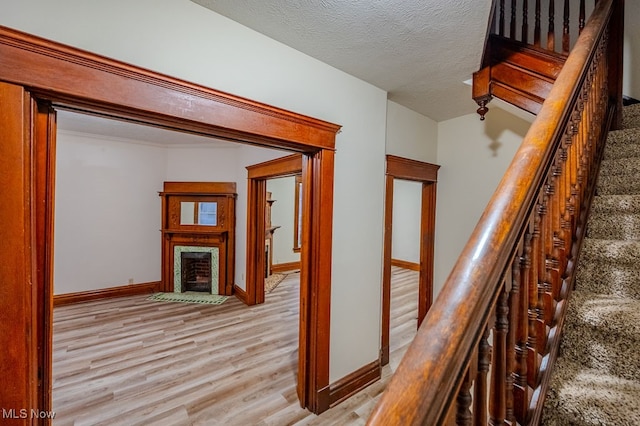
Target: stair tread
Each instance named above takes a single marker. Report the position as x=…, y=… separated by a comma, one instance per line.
x=618, y=185
x=614, y=225
x=626, y=135
x=616, y=313
x=616, y=203
x=610, y=250
x=580, y=395
x=626, y=150
x=603, y=277
x=603, y=332
x=631, y=116
x=620, y=166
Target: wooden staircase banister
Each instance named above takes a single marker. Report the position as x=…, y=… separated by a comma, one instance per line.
x=510, y=67
x=519, y=260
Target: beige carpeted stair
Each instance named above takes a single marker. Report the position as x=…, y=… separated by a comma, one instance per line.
x=596, y=380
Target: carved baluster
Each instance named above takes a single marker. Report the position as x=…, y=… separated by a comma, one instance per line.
x=525, y=21
x=597, y=106
x=514, y=320
x=589, y=151
x=532, y=313
x=574, y=206
x=501, y=25
x=536, y=29
x=590, y=143
x=585, y=132
x=568, y=155
x=551, y=35
x=563, y=239
x=521, y=277
x=557, y=251
x=497, y=402
x=587, y=125
x=545, y=301
x=544, y=283
x=463, y=402
x=599, y=97
x=566, y=37
x=480, y=397
x=582, y=16
x=579, y=160
x=512, y=26
x=563, y=188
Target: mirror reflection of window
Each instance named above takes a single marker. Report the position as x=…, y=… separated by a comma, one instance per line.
x=199, y=213
x=208, y=213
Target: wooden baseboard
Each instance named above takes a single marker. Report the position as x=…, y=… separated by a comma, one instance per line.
x=354, y=382
x=285, y=267
x=106, y=293
x=240, y=294
x=406, y=265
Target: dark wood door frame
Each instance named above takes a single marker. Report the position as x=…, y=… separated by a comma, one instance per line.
x=257, y=177
x=427, y=174
x=35, y=72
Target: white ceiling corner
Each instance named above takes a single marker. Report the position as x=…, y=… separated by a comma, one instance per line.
x=420, y=52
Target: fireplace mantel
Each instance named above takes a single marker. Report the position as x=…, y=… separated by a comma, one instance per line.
x=199, y=215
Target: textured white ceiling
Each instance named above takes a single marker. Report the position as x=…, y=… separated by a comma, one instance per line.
x=419, y=51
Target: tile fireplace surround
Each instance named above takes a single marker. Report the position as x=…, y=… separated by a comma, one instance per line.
x=177, y=266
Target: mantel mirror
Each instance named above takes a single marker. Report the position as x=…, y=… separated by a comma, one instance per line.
x=199, y=213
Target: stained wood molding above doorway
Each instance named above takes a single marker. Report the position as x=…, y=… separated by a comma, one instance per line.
x=36, y=77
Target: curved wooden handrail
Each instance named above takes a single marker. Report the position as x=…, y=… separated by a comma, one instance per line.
x=427, y=380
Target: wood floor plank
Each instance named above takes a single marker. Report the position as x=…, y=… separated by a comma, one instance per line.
x=130, y=361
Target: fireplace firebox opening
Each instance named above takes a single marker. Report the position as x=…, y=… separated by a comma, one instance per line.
x=196, y=271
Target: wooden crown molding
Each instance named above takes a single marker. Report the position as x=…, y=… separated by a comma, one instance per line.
x=212, y=112
x=405, y=168
x=199, y=188
x=278, y=167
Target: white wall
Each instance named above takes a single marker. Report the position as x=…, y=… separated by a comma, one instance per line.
x=407, y=208
x=106, y=192
x=631, y=81
x=182, y=39
x=475, y=154
x=411, y=135
x=282, y=215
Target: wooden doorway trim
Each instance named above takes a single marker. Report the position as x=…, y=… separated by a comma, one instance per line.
x=427, y=174
x=35, y=71
x=257, y=176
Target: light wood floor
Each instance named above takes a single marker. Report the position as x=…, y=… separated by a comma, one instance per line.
x=130, y=361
